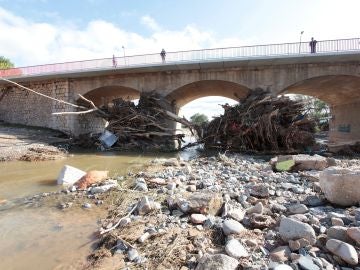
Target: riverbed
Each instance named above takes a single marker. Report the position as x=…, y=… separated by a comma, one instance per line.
x=46, y=237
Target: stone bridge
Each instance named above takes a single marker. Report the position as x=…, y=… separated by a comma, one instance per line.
x=331, y=77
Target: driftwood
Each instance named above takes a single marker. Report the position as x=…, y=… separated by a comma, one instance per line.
x=262, y=123
x=118, y=223
x=145, y=126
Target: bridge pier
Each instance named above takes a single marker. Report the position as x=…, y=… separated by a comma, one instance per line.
x=345, y=124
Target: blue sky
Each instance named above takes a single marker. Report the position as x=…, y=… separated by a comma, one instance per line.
x=48, y=31
x=98, y=28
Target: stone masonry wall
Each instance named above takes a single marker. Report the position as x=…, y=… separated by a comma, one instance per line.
x=20, y=106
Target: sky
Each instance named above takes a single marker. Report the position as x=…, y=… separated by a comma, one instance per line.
x=47, y=31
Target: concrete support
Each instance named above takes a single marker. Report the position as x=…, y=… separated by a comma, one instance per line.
x=345, y=123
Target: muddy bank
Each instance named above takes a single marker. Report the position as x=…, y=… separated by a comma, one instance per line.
x=29, y=143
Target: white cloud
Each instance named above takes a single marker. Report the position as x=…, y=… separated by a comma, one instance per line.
x=150, y=23
x=29, y=43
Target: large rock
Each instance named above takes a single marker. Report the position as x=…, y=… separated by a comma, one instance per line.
x=291, y=229
x=90, y=178
x=217, y=262
x=69, y=175
x=300, y=162
x=205, y=203
x=338, y=185
x=345, y=251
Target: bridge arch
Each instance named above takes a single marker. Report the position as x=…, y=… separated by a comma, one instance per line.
x=198, y=89
x=342, y=94
x=104, y=94
x=332, y=89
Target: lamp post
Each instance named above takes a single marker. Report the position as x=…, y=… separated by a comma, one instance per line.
x=124, y=55
x=301, y=33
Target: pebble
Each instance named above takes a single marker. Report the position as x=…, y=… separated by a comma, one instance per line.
x=339, y=233
x=307, y=263
x=257, y=209
x=344, y=250
x=235, y=249
x=298, y=209
x=144, y=237
x=237, y=214
x=283, y=267
x=87, y=205
x=217, y=261
x=133, y=254
x=337, y=221
x=191, y=188
x=198, y=218
x=231, y=226
x=280, y=254
x=260, y=191
x=291, y=229
x=354, y=234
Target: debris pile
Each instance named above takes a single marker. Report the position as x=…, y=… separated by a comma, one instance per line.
x=144, y=126
x=262, y=123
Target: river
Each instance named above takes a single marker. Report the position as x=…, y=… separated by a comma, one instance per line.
x=46, y=237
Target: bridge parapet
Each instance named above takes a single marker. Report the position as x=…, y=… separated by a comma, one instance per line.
x=337, y=46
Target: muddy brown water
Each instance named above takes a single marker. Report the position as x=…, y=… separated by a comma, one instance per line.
x=45, y=237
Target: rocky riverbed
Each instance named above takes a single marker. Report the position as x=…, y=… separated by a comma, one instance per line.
x=222, y=212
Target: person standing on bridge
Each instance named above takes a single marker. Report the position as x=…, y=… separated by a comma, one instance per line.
x=163, y=55
x=312, y=45
x=114, y=61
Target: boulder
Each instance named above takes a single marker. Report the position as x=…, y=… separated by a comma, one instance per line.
x=338, y=185
x=300, y=162
x=69, y=175
x=345, y=251
x=90, y=178
x=205, y=203
x=291, y=229
x=217, y=262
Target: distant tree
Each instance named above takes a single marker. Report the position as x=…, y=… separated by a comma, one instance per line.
x=199, y=119
x=5, y=63
x=316, y=109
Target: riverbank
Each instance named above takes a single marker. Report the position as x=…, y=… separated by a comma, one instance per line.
x=223, y=211
x=29, y=143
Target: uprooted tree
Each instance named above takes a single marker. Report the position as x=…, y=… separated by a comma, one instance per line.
x=262, y=123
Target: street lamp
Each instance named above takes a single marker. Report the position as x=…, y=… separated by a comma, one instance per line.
x=302, y=32
x=124, y=55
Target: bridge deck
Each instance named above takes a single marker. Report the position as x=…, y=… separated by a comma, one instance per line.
x=345, y=49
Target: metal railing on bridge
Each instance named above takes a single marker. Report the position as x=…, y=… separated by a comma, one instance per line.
x=231, y=53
